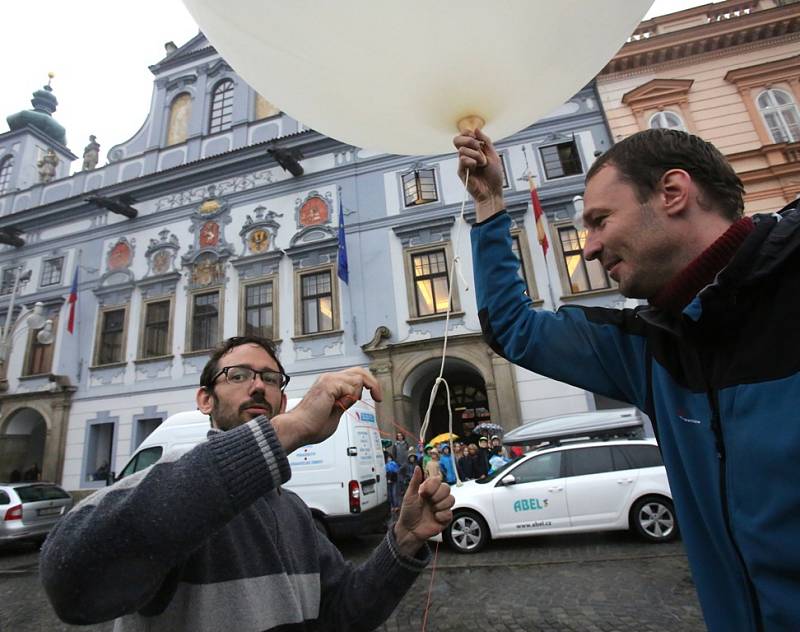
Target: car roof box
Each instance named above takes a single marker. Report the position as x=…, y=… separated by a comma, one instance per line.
x=597, y=424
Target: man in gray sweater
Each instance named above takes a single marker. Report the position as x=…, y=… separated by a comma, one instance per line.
x=209, y=541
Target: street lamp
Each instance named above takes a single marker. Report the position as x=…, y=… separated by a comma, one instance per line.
x=577, y=217
x=36, y=319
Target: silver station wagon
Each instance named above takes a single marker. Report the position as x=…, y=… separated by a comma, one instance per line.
x=29, y=510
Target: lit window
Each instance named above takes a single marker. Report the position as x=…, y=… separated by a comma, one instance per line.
x=781, y=115
x=205, y=321
x=6, y=164
x=180, y=112
x=316, y=295
x=431, y=283
x=584, y=276
x=112, y=337
x=258, y=306
x=561, y=160
x=221, y=107
x=666, y=120
x=51, y=271
x=156, y=329
x=419, y=187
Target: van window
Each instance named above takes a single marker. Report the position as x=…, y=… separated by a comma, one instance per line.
x=584, y=461
x=636, y=456
x=143, y=459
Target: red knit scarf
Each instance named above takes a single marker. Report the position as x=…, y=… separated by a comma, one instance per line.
x=685, y=285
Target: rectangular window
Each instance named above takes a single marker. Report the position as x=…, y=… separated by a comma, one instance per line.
x=584, y=276
x=156, y=329
x=112, y=337
x=98, y=452
x=431, y=282
x=51, y=271
x=419, y=187
x=561, y=160
x=7, y=283
x=40, y=355
x=144, y=427
x=205, y=321
x=258, y=306
x=316, y=296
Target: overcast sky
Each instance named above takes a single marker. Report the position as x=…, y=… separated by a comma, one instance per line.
x=100, y=51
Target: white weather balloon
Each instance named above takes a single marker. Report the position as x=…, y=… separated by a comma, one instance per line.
x=398, y=76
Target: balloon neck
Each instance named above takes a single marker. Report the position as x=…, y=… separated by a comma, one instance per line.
x=470, y=124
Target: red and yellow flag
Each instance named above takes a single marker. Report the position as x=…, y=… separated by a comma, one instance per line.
x=538, y=214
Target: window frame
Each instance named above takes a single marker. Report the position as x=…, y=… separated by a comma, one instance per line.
x=102, y=315
x=190, y=315
x=273, y=279
x=60, y=279
x=544, y=162
x=298, y=300
x=563, y=269
x=6, y=168
x=411, y=287
x=225, y=99
x=85, y=470
x=665, y=114
x=143, y=327
x=778, y=111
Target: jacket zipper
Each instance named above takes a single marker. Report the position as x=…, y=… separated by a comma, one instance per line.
x=716, y=428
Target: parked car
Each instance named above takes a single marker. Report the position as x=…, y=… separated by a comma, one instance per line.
x=29, y=510
x=567, y=488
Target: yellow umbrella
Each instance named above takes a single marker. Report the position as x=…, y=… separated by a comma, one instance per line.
x=445, y=436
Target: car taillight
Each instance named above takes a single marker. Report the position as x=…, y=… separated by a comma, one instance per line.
x=355, y=497
x=14, y=513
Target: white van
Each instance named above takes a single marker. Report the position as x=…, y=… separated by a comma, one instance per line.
x=342, y=479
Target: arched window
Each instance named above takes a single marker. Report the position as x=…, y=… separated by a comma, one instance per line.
x=666, y=120
x=221, y=107
x=179, y=113
x=6, y=164
x=781, y=115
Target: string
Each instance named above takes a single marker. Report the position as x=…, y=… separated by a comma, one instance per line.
x=430, y=588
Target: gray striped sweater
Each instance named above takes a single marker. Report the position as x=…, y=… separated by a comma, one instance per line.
x=207, y=541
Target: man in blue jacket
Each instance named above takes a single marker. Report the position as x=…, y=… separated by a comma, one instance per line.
x=713, y=358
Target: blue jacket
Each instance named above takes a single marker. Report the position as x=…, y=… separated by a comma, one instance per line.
x=720, y=382
x=448, y=467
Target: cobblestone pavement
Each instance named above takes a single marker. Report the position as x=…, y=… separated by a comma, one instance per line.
x=583, y=583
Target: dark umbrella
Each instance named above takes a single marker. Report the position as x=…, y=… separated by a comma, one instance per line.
x=487, y=428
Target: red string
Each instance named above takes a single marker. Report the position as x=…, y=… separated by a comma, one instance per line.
x=430, y=588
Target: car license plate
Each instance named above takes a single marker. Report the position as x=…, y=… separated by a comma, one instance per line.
x=49, y=511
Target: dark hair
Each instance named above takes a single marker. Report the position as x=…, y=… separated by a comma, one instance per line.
x=643, y=158
x=211, y=368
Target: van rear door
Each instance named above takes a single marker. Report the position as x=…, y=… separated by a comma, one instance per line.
x=366, y=457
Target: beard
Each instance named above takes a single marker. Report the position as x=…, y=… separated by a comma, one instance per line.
x=226, y=417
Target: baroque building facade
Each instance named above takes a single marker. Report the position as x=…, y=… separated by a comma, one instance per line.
x=219, y=218
x=728, y=72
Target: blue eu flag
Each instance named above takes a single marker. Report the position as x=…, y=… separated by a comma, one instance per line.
x=342, y=259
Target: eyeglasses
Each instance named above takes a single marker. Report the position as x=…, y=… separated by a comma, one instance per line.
x=238, y=375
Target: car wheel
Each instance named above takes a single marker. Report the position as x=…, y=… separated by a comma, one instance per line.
x=653, y=518
x=467, y=533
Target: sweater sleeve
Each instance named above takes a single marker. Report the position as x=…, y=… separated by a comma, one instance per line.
x=360, y=598
x=598, y=349
x=111, y=554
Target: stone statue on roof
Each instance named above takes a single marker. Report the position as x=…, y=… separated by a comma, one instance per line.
x=91, y=154
x=47, y=166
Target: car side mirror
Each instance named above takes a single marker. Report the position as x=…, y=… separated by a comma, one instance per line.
x=509, y=480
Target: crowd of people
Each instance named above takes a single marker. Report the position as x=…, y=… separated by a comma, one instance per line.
x=473, y=458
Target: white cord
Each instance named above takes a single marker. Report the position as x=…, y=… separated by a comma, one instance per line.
x=455, y=267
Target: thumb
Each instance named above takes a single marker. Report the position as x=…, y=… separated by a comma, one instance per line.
x=414, y=483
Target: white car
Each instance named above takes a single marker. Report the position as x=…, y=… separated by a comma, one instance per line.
x=567, y=488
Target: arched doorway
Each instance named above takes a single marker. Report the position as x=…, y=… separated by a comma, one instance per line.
x=22, y=446
x=468, y=400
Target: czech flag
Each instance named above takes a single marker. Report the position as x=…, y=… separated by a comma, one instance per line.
x=72, y=300
x=538, y=214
